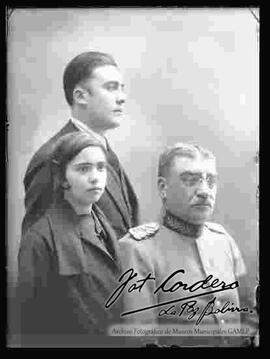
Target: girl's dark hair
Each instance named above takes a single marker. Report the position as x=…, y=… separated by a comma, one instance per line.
x=65, y=149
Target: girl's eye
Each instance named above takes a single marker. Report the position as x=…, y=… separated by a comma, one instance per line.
x=101, y=166
x=84, y=169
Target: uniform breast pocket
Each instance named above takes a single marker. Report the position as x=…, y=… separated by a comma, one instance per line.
x=225, y=267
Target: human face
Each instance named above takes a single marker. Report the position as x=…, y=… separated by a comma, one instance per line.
x=105, y=98
x=187, y=198
x=86, y=178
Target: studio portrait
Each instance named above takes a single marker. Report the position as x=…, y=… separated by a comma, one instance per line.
x=132, y=177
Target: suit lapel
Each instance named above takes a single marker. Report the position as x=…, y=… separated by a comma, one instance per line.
x=114, y=190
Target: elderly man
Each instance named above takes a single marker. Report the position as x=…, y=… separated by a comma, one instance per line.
x=94, y=90
x=187, y=280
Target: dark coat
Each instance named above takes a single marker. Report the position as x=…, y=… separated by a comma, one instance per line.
x=118, y=202
x=65, y=278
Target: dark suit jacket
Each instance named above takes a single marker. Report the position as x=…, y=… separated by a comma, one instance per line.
x=118, y=203
x=65, y=278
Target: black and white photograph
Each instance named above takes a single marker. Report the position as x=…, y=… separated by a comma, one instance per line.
x=132, y=177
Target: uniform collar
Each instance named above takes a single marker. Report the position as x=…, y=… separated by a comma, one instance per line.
x=182, y=227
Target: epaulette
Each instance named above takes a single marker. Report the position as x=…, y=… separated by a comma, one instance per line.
x=144, y=231
x=215, y=227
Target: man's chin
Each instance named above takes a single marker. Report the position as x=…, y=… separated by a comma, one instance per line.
x=117, y=119
x=112, y=125
x=200, y=219
x=116, y=125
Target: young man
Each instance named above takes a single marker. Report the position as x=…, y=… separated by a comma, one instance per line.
x=190, y=274
x=94, y=91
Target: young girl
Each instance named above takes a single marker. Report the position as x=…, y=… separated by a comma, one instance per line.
x=68, y=260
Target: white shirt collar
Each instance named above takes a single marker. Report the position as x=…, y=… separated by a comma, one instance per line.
x=83, y=127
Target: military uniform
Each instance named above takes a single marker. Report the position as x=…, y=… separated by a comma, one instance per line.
x=213, y=252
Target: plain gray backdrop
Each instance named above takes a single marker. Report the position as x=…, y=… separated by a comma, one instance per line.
x=190, y=75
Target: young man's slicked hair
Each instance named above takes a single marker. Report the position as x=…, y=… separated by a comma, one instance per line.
x=180, y=149
x=81, y=68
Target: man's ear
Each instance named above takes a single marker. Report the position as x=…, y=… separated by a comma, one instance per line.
x=162, y=187
x=80, y=95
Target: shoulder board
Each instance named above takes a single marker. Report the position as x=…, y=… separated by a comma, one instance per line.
x=144, y=231
x=215, y=227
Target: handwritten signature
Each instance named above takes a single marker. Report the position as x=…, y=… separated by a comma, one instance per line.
x=171, y=284
x=191, y=309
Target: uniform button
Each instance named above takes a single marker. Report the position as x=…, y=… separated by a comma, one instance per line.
x=218, y=302
x=222, y=321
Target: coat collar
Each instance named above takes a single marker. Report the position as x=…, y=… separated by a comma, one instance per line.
x=83, y=127
x=69, y=230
